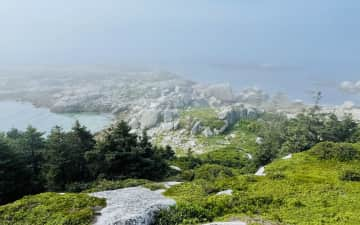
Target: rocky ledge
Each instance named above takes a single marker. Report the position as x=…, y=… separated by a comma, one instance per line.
x=131, y=206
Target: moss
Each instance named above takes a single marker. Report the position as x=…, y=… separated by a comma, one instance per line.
x=51, y=209
x=105, y=185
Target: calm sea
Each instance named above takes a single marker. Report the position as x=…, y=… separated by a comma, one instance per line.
x=20, y=115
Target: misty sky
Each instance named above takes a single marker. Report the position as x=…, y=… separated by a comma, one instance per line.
x=314, y=40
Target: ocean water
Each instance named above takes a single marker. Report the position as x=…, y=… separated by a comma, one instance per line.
x=20, y=115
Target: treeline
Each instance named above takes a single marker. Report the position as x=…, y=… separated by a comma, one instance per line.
x=31, y=163
x=281, y=135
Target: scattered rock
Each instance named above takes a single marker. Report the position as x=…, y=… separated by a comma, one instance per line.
x=287, y=157
x=261, y=171
x=175, y=168
x=196, y=128
x=131, y=206
x=208, y=132
x=134, y=123
x=259, y=140
x=170, y=115
x=249, y=155
x=226, y=192
x=169, y=184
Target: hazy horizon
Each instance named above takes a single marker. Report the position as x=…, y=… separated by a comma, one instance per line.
x=293, y=47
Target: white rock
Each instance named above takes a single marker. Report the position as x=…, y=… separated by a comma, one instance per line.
x=167, y=126
x=226, y=192
x=169, y=115
x=287, y=157
x=131, y=206
x=249, y=155
x=149, y=119
x=259, y=140
x=261, y=171
x=134, y=123
x=169, y=184
x=208, y=132
x=196, y=128
x=175, y=168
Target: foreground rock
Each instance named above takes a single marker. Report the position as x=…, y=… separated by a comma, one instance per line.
x=131, y=206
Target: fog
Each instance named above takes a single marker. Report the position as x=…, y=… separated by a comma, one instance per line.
x=290, y=46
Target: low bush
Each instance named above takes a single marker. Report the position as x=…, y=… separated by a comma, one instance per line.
x=183, y=213
x=213, y=172
x=51, y=209
x=350, y=175
x=338, y=151
x=226, y=157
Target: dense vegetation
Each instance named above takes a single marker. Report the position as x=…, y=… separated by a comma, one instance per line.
x=306, y=189
x=319, y=185
x=295, y=191
x=31, y=163
x=51, y=209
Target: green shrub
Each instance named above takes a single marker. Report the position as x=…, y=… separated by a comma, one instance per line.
x=51, y=209
x=350, y=175
x=187, y=175
x=184, y=213
x=213, y=172
x=226, y=157
x=277, y=175
x=338, y=151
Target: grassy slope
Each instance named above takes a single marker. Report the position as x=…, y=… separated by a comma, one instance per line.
x=302, y=190
x=51, y=209
x=207, y=116
x=244, y=138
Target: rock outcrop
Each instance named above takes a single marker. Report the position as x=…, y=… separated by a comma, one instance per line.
x=232, y=114
x=131, y=206
x=149, y=118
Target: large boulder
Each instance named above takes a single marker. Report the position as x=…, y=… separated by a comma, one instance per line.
x=207, y=132
x=196, y=129
x=170, y=115
x=131, y=206
x=149, y=119
x=235, y=113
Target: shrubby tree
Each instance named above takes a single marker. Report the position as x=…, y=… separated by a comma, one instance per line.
x=65, y=156
x=14, y=177
x=122, y=154
x=29, y=145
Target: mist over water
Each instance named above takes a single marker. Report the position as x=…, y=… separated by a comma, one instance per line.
x=296, y=47
x=20, y=115
x=297, y=82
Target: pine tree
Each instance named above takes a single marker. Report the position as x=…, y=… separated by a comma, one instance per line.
x=14, y=177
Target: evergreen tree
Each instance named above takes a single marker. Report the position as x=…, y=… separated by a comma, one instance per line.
x=57, y=160
x=32, y=146
x=80, y=141
x=14, y=177
x=122, y=154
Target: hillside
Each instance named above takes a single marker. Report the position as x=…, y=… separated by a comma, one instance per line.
x=301, y=190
